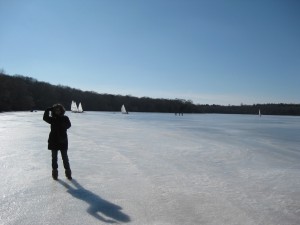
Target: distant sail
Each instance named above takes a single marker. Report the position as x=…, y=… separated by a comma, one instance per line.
x=259, y=112
x=123, y=110
x=74, y=107
x=80, y=108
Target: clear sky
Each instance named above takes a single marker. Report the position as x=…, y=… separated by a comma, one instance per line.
x=208, y=51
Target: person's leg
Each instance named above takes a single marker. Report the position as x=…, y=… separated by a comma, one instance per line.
x=65, y=158
x=54, y=165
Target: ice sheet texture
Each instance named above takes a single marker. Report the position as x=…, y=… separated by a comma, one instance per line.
x=156, y=169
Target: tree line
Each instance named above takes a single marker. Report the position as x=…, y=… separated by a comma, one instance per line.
x=19, y=93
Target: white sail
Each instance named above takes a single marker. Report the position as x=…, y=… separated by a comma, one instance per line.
x=74, y=107
x=123, y=110
x=80, y=107
x=259, y=112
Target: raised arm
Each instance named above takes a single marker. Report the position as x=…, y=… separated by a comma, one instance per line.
x=46, y=116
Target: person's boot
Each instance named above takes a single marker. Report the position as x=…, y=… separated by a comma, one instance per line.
x=69, y=174
x=55, y=174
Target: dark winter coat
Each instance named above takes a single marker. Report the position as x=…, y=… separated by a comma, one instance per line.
x=58, y=138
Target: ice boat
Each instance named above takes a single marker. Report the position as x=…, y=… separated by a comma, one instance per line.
x=123, y=110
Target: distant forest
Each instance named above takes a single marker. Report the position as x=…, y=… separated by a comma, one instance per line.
x=19, y=93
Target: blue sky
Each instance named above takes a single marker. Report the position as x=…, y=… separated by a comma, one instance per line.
x=208, y=51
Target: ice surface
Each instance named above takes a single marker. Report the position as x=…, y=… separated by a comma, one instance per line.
x=156, y=169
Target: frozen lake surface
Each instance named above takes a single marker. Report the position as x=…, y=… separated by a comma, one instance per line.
x=153, y=169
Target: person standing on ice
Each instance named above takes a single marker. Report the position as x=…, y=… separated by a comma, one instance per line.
x=58, y=138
